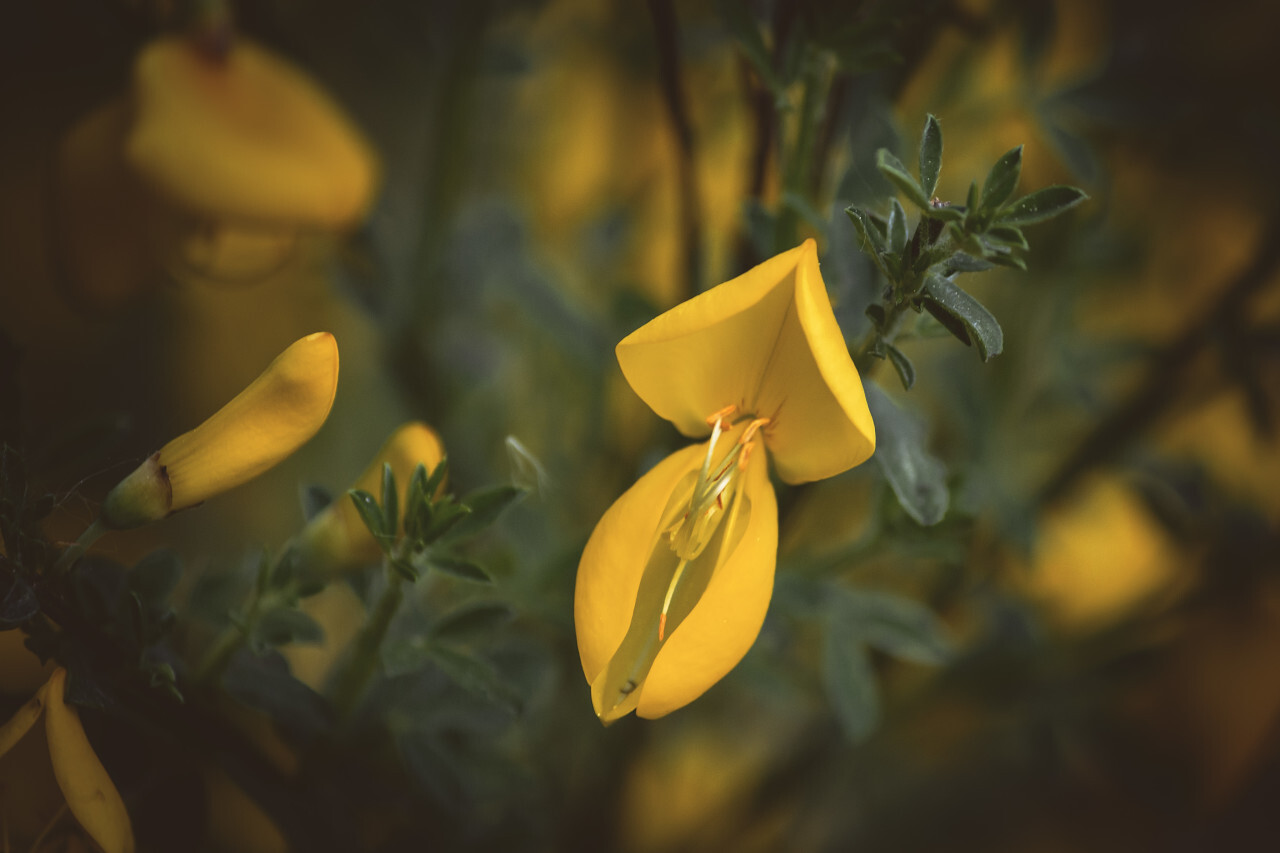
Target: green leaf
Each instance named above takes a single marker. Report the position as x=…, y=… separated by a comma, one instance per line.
x=737, y=16
x=475, y=675
x=461, y=568
x=405, y=569
x=470, y=619
x=918, y=479
x=945, y=300
x=371, y=514
x=1009, y=235
x=1002, y=180
x=314, y=500
x=960, y=262
x=1041, y=205
x=902, y=627
x=847, y=675
x=891, y=167
x=436, y=480
x=443, y=516
x=897, y=227
x=486, y=506
x=945, y=212
x=415, y=500
x=286, y=625
x=390, y=501
x=870, y=239
x=807, y=211
x=875, y=313
x=906, y=370
x=156, y=576
x=930, y=155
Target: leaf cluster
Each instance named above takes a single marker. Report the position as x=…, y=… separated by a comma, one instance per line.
x=922, y=263
x=433, y=525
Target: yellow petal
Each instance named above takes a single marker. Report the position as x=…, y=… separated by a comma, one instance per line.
x=263, y=424
x=246, y=136
x=768, y=343
x=722, y=624
x=22, y=721
x=91, y=796
x=337, y=537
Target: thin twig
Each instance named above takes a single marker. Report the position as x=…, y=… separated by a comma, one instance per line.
x=671, y=80
x=1158, y=389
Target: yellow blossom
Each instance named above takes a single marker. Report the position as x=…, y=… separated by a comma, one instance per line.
x=336, y=538
x=90, y=795
x=245, y=136
x=210, y=167
x=675, y=580
x=270, y=419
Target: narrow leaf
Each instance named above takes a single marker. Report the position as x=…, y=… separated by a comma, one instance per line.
x=960, y=262
x=1041, y=205
x=906, y=370
x=902, y=627
x=891, y=167
x=897, y=227
x=415, y=497
x=1002, y=180
x=371, y=514
x=869, y=238
x=286, y=625
x=849, y=680
x=1008, y=234
x=314, y=499
x=945, y=212
x=930, y=155
x=982, y=327
x=390, y=501
x=156, y=576
x=476, y=675
x=918, y=479
x=737, y=16
x=485, y=506
x=460, y=568
x=471, y=619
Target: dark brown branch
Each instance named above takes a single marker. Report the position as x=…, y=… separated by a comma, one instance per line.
x=671, y=80
x=1158, y=389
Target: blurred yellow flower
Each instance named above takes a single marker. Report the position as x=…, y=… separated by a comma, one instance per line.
x=336, y=538
x=210, y=167
x=1100, y=555
x=270, y=419
x=675, y=580
x=90, y=795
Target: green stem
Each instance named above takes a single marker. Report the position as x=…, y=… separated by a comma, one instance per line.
x=359, y=668
x=91, y=534
x=215, y=660
x=796, y=174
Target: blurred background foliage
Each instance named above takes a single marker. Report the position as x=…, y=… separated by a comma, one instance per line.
x=1081, y=655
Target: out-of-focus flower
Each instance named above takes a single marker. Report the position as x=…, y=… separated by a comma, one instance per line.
x=277, y=413
x=211, y=167
x=90, y=795
x=1099, y=555
x=676, y=578
x=336, y=538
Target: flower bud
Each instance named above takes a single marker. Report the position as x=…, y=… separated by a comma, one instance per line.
x=264, y=423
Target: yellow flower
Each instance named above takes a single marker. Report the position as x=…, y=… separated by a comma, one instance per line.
x=90, y=795
x=336, y=538
x=210, y=167
x=264, y=423
x=675, y=580
x=244, y=137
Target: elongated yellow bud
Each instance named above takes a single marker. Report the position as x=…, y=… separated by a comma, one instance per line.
x=91, y=796
x=336, y=538
x=264, y=423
